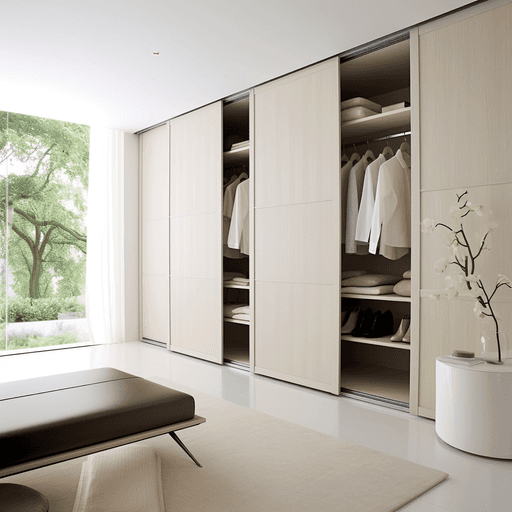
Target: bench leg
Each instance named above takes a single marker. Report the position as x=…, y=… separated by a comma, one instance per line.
x=185, y=449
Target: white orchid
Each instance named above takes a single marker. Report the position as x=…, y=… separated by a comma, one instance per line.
x=428, y=225
x=479, y=209
x=463, y=256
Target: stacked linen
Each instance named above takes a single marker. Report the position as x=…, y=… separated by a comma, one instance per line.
x=237, y=311
x=235, y=278
x=370, y=284
x=403, y=287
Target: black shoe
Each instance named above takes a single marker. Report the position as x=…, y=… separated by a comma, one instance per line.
x=365, y=323
x=384, y=327
x=377, y=319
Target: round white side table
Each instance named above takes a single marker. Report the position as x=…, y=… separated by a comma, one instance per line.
x=474, y=407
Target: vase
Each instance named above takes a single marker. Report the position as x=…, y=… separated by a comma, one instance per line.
x=490, y=353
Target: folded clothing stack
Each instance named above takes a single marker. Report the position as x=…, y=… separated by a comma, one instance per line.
x=403, y=287
x=357, y=108
x=237, y=311
x=370, y=284
x=236, y=278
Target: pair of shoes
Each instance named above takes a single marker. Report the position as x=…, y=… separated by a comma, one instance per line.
x=371, y=325
x=351, y=320
x=404, y=331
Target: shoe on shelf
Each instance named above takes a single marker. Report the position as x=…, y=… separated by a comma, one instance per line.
x=351, y=322
x=365, y=323
x=404, y=326
x=377, y=319
x=383, y=327
x=407, y=336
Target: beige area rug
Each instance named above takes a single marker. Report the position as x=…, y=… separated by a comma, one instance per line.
x=253, y=462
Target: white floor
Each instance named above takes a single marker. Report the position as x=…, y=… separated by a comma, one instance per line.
x=475, y=484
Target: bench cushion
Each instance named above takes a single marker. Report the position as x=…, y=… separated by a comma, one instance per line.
x=50, y=415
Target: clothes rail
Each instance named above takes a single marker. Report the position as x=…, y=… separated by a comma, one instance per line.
x=380, y=139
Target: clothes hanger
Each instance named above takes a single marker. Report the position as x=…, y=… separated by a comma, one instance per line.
x=344, y=158
x=405, y=147
x=369, y=153
x=387, y=152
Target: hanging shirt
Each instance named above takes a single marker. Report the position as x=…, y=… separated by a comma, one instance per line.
x=355, y=188
x=391, y=221
x=344, y=174
x=238, y=237
x=364, y=217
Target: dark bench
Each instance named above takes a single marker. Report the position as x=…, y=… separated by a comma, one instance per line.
x=51, y=419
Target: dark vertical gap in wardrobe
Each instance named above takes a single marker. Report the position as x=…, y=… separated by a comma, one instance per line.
x=370, y=372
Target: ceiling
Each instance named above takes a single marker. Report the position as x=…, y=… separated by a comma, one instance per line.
x=92, y=61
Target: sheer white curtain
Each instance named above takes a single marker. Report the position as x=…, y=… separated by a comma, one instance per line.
x=105, y=237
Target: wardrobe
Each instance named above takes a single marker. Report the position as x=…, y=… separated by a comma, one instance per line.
x=437, y=86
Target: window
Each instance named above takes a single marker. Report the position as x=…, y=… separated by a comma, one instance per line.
x=44, y=170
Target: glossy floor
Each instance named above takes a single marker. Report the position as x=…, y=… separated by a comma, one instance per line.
x=475, y=484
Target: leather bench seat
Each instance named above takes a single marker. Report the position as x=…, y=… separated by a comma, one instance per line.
x=46, y=416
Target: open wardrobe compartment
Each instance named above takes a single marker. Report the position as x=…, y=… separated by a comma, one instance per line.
x=236, y=235
x=375, y=180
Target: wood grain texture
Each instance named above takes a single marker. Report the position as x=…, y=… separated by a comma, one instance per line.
x=297, y=137
x=155, y=173
x=466, y=101
x=294, y=243
x=294, y=333
x=196, y=161
x=155, y=247
x=155, y=308
x=196, y=245
x=196, y=317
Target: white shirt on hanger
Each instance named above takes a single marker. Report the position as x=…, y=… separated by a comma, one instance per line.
x=355, y=188
x=391, y=220
x=344, y=174
x=239, y=229
x=364, y=217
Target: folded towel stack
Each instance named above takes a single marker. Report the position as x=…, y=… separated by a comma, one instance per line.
x=237, y=311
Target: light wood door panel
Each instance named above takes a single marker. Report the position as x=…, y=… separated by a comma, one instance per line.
x=196, y=245
x=155, y=309
x=294, y=243
x=155, y=247
x=196, y=318
x=294, y=334
x=196, y=233
x=297, y=137
x=466, y=101
x=196, y=161
x=155, y=173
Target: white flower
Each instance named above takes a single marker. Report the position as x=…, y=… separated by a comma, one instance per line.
x=472, y=278
x=441, y=265
x=428, y=225
x=479, y=310
x=451, y=238
x=480, y=210
x=503, y=280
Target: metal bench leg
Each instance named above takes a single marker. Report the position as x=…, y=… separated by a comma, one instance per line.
x=185, y=449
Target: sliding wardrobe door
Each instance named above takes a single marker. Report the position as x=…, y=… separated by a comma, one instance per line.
x=196, y=233
x=466, y=123
x=154, y=145
x=297, y=228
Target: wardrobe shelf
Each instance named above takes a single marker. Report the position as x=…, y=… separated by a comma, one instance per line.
x=237, y=286
x=236, y=321
x=385, y=341
x=237, y=156
x=379, y=125
x=388, y=297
